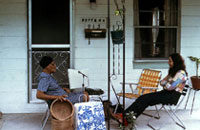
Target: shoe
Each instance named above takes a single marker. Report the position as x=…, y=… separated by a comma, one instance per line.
x=119, y=118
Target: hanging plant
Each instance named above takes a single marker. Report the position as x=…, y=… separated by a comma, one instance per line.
x=118, y=12
x=117, y=36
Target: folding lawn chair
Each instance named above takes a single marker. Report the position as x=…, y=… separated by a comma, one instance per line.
x=148, y=82
x=171, y=112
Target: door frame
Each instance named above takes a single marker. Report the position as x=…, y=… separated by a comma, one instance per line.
x=30, y=46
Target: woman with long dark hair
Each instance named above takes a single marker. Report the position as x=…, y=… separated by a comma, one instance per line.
x=172, y=84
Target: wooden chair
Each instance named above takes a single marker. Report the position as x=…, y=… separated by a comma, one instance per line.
x=148, y=82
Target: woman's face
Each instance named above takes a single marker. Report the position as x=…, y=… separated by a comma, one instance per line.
x=51, y=68
x=170, y=62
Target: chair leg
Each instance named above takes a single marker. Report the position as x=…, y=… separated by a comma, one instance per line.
x=116, y=107
x=156, y=117
x=193, y=101
x=171, y=114
x=45, y=118
x=174, y=117
x=188, y=97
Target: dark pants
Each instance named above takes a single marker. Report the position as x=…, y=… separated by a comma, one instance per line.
x=161, y=97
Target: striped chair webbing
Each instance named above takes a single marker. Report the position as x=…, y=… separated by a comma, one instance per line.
x=148, y=78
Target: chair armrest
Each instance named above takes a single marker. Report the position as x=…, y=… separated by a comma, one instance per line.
x=149, y=88
x=129, y=83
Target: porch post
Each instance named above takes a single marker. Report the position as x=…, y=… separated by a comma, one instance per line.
x=108, y=26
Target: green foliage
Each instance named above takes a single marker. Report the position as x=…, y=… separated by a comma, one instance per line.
x=119, y=12
x=197, y=61
x=130, y=117
x=194, y=59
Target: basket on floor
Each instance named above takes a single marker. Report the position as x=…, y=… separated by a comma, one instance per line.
x=62, y=115
x=62, y=125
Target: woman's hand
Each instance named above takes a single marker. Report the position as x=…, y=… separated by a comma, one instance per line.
x=164, y=81
x=67, y=90
x=62, y=98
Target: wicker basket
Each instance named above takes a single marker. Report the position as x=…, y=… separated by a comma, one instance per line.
x=62, y=115
x=62, y=110
x=62, y=125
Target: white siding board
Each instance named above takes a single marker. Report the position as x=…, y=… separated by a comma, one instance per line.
x=99, y=10
x=190, y=42
x=195, y=52
x=190, y=21
x=24, y=108
x=18, y=97
x=91, y=53
x=18, y=42
x=13, y=64
x=12, y=1
x=102, y=2
x=17, y=86
x=191, y=2
x=82, y=42
x=99, y=53
x=13, y=53
x=190, y=32
x=13, y=31
x=93, y=64
x=13, y=56
x=13, y=75
x=99, y=2
x=7, y=20
x=191, y=10
x=13, y=8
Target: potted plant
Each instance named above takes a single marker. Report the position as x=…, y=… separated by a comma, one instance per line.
x=118, y=34
x=195, y=79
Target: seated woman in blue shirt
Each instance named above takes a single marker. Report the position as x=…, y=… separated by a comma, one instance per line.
x=48, y=88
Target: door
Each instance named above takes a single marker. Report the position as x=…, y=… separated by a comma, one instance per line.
x=49, y=34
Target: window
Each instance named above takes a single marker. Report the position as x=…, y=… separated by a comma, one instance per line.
x=157, y=28
x=50, y=22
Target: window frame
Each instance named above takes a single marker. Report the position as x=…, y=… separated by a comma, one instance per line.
x=178, y=32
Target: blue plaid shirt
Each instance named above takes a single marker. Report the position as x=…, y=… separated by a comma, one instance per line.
x=49, y=85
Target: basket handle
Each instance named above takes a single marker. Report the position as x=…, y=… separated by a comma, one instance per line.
x=83, y=96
